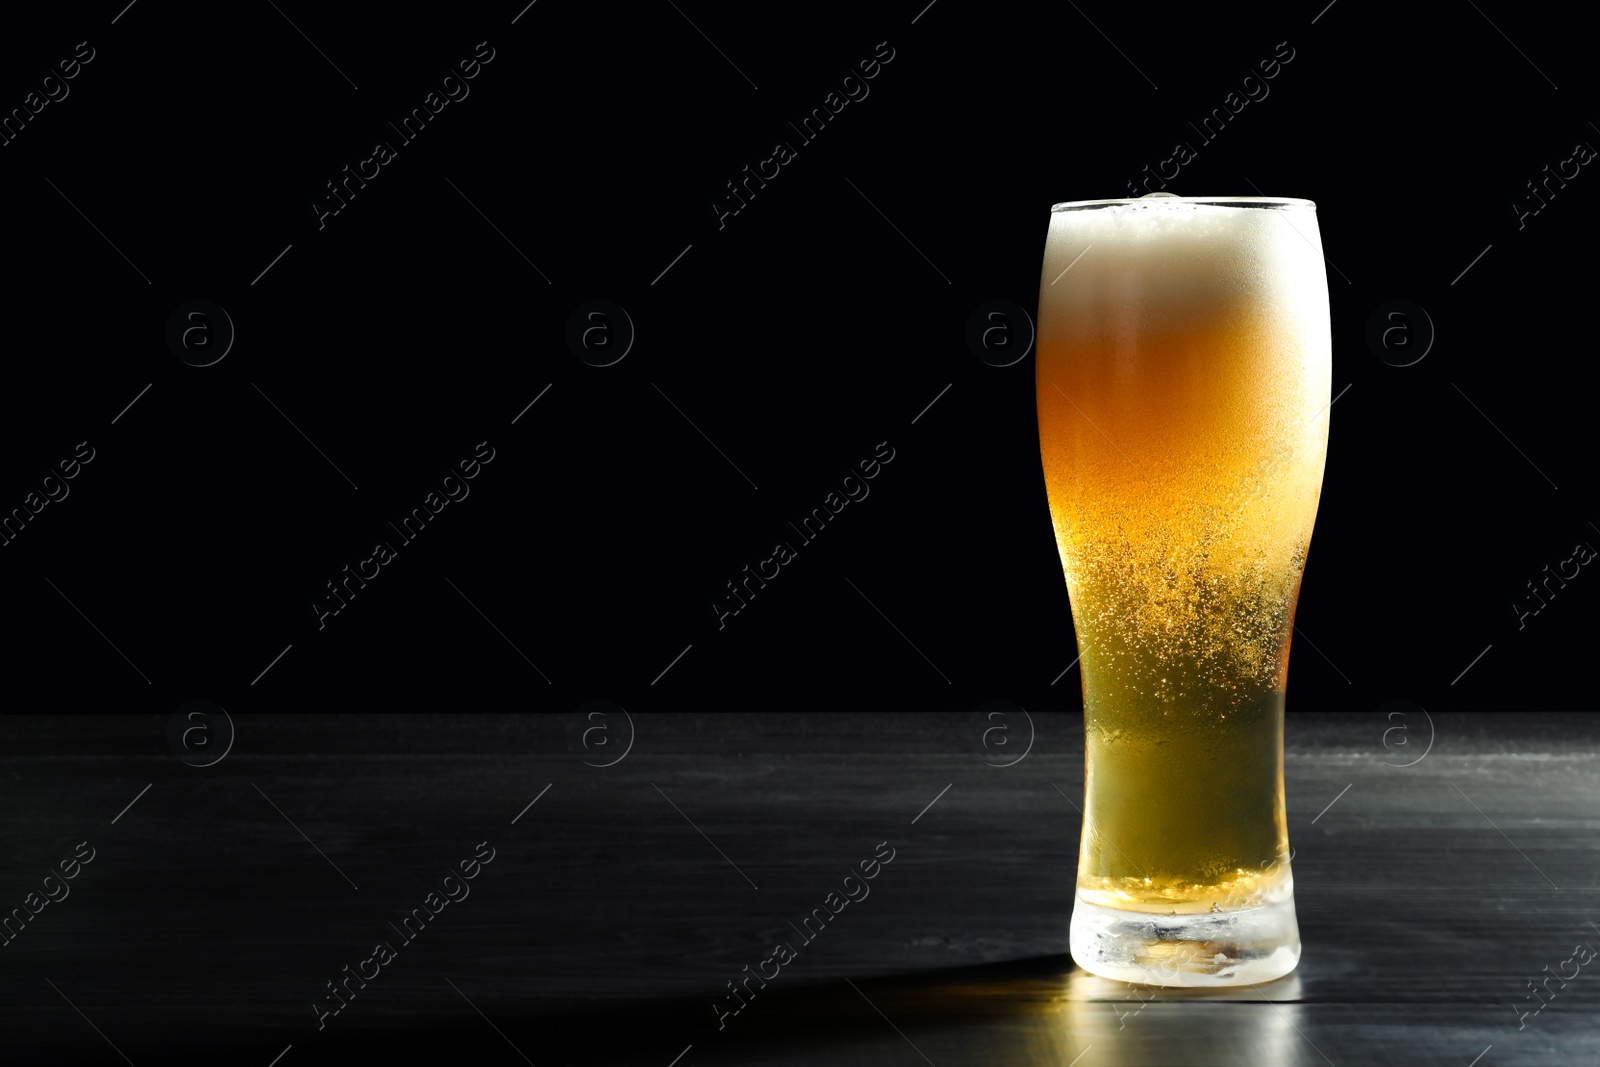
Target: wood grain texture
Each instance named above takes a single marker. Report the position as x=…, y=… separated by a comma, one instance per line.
x=621, y=902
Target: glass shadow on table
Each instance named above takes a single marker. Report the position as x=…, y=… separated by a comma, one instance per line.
x=1039, y=1011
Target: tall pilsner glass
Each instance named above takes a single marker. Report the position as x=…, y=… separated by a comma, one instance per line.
x=1183, y=391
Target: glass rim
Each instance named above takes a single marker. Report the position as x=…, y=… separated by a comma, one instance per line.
x=1215, y=201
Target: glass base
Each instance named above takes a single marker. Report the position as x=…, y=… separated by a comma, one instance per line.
x=1208, y=949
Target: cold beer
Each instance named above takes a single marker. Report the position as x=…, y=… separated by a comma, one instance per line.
x=1183, y=391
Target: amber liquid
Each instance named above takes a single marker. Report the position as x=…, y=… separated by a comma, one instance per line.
x=1183, y=387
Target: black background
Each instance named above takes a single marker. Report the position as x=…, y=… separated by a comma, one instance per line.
x=827, y=316
x=817, y=322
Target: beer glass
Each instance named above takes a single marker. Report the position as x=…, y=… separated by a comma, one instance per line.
x=1183, y=378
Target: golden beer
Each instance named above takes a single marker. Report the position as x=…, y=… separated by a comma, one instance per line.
x=1184, y=366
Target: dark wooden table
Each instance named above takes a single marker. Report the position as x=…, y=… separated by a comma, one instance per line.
x=621, y=903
